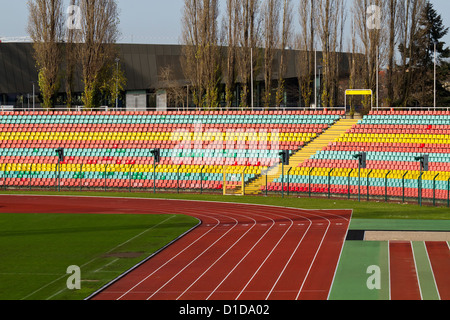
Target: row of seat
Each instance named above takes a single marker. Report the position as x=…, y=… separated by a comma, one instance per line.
x=118, y=154
x=393, y=112
x=116, y=146
x=157, y=136
x=401, y=129
x=392, y=141
x=354, y=190
x=168, y=119
x=154, y=127
x=112, y=183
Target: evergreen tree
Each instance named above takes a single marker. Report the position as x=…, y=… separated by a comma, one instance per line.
x=430, y=33
x=432, y=30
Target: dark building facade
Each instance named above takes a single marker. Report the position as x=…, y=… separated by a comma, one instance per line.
x=142, y=65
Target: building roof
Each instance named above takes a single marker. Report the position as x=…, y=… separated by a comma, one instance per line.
x=141, y=63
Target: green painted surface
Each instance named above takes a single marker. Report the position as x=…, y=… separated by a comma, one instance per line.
x=400, y=224
x=351, y=278
x=424, y=272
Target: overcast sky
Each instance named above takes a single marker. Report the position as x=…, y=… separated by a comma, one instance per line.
x=144, y=21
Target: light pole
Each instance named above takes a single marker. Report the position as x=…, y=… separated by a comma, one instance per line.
x=320, y=73
x=117, y=84
x=33, y=95
x=424, y=166
x=251, y=80
x=362, y=164
x=378, y=53
x=315, y=78
x=435, y=74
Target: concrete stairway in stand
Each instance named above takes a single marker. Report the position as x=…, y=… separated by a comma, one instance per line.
x=330, y=135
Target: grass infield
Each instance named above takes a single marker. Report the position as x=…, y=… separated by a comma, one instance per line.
x=36, y=249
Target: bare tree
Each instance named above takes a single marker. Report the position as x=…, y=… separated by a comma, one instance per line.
x=286, y=39
x=394, y=30
x=248, y=40
x=330, y=20
x=176, y=93
x=191, y=40
x=373, y=41
x=45, y=27
x=357, y=67
x=211, y=53
x=200, y=58
x=98, y=35
x=271, y=39
x=71, y=57
x=339, y=44
x=307, y=47
x=410, y=12
x=231, y=32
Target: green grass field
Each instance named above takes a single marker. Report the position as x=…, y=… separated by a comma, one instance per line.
x=35, y=250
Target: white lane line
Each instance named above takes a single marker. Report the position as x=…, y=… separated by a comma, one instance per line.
x=265, y=260
x=243, y=258
x=314, y=259
x=193, y=260
x=145, y=278
x=290, y=258
x=212, y=265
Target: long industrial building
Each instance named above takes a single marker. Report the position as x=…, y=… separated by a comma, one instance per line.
x=142, y=64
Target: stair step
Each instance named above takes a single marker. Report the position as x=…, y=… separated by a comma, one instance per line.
x=328, y=136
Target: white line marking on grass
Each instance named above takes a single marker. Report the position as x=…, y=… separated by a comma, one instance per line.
x=106, y=265
x=27, y=274
x=87, y=263
x=389, y=268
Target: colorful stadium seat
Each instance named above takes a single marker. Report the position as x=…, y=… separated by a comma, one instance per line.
x=112, y=150
x=392, y=140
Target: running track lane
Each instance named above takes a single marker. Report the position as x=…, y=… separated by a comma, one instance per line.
x=238, y=252
x=439, y=254
x=403, y=275
x=404, y=280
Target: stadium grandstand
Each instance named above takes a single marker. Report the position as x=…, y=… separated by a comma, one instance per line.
x=394, y=141
x=202, y=151
x=138, y=146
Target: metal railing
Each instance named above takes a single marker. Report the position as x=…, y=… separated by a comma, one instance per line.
x=38, y=108
x=263, y=184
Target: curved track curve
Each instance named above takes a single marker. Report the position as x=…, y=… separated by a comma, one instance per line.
x=238, y=252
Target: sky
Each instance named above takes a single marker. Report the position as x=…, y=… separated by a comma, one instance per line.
x=143, y=21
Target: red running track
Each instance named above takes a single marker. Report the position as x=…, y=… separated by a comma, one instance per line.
x=439, y=254
x=239, y=251
x=404, y=281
